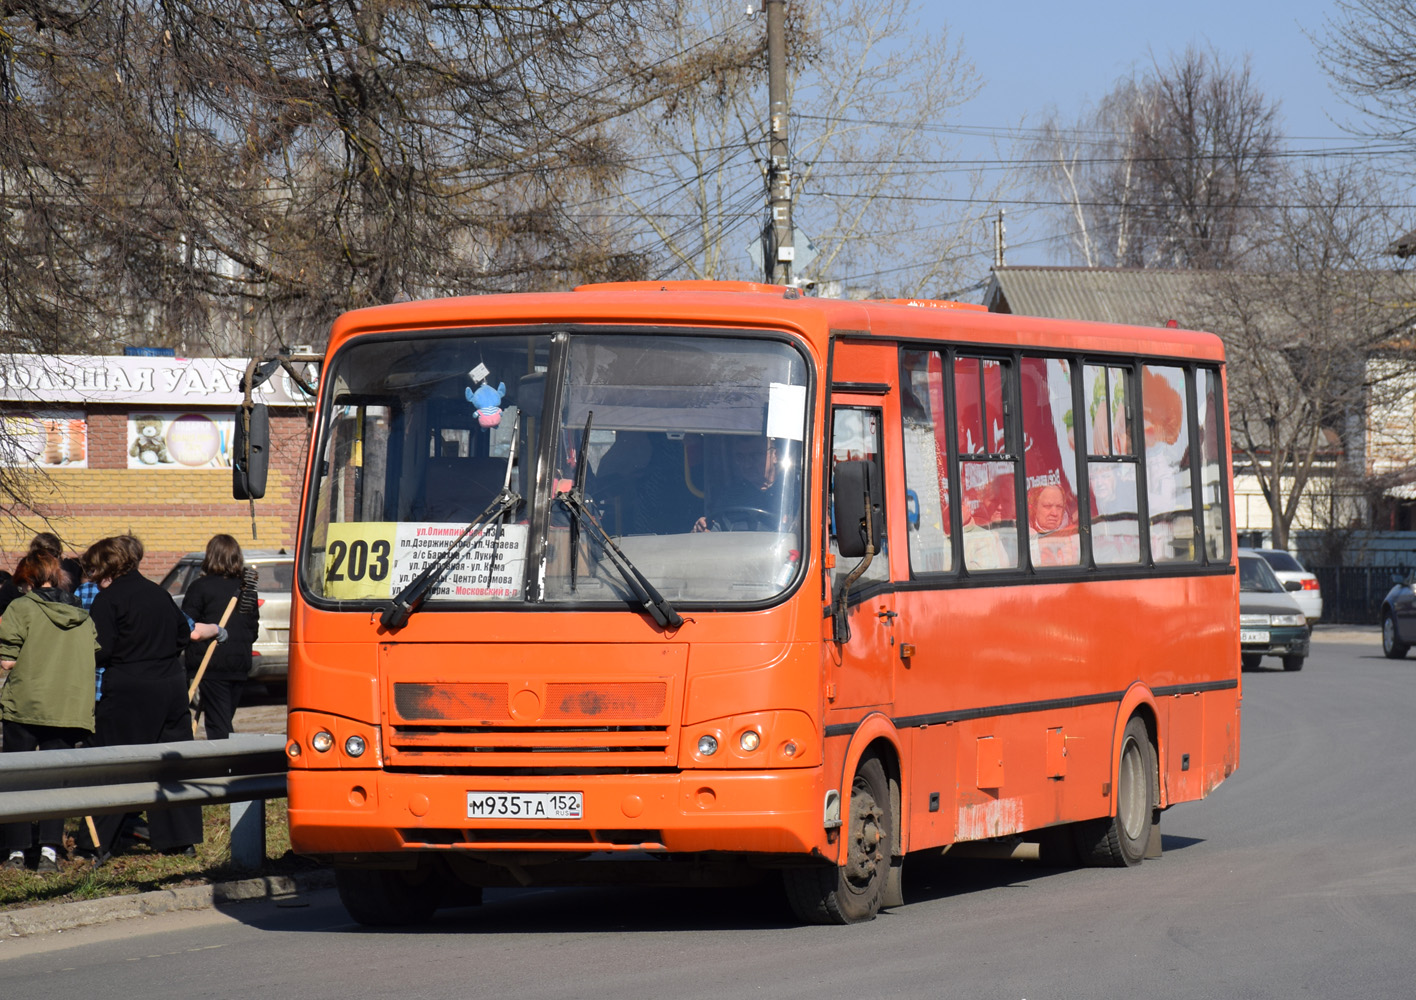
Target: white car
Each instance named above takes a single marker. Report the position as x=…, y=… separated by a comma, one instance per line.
x=1302, y=585
x=271, y=653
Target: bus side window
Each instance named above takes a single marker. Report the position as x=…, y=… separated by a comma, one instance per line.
x=1050, y=462
x=855, y=436
x=1170, y=506
x=926, y=461
x=1211, y=424
x=1111, y=465
x=988, y=463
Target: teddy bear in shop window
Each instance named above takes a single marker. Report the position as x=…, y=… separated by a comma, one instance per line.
x=149, y=446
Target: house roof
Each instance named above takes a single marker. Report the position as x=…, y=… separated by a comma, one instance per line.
x=1196, y=300
x=1137, y=296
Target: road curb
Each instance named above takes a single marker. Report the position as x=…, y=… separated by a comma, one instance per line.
x=1364, y=634
x=53, y=917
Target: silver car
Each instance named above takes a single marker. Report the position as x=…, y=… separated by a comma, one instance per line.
x=271, y=653
x=1270, y=621
x=1301, y=585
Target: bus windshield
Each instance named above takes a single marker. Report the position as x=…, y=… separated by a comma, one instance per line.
x=577, y=452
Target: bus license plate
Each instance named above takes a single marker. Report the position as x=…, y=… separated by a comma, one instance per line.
x=524, y=805
x=1253, y=635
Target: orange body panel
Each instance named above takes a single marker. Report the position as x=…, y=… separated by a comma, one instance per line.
x=999, y=707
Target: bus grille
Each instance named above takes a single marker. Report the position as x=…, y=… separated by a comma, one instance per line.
x=486, y=723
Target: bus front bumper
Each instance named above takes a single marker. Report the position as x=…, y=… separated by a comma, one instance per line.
x=357, y=812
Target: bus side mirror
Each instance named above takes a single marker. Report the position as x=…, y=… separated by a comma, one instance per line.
x=251, y=452
x=856, y=495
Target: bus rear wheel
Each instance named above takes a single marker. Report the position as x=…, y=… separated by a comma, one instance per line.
x=853, y=892
x=377, y=897
x=1120, y=841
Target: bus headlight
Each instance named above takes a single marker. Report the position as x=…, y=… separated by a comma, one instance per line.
x=354, y=746
x=322, y=741
x=781, y=738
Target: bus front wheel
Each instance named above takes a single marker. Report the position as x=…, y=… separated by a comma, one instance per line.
x=377, y=897
x=853, y=892
x=1120, y=841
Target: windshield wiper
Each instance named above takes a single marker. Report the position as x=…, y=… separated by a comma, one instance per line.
x=396, y=615
x=654, y=603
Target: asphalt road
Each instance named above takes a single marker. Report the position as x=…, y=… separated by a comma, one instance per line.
x=1296, y=878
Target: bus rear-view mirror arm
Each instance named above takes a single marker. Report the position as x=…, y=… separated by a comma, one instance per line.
x=859, y=524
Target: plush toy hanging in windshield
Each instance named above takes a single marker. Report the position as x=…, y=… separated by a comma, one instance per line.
x=484, y=397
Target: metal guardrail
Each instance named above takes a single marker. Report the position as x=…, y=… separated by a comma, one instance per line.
x=245, y=770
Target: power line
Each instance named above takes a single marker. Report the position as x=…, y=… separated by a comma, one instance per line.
x=1162, y=206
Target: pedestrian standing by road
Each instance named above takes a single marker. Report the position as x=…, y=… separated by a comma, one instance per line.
x=222, y=582
x=142, y=636
x=47, y=647
x=48, y=543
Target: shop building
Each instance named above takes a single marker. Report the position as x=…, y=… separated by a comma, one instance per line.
x=95, y=446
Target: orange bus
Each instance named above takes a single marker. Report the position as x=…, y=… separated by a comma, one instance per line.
x=700, y=581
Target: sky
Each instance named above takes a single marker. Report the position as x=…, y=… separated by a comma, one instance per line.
x=1031, y=56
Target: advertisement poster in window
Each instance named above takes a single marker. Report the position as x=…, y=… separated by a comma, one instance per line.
x=51, y=439
x=179, y=441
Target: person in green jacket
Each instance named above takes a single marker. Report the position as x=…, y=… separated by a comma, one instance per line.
x=47, y=647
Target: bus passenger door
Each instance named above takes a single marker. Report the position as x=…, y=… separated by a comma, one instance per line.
x=864, y=669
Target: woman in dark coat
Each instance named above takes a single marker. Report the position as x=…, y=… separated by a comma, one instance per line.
x=207, y=599
x=141, y=636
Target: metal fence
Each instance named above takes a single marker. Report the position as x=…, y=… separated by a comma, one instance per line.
x=245, y=770
x=1353, y=595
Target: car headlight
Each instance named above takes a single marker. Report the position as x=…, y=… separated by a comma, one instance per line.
x=1287, y=620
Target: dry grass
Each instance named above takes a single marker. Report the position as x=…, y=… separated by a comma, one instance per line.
x=140, y=870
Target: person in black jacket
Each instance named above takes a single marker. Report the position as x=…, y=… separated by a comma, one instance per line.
x=141, y=636
x=223, y=581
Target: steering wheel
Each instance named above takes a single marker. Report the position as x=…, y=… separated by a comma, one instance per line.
x=739, y=517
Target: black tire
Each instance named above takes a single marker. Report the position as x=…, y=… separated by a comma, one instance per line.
x=854, y=892
x=1057, y=847
x=377, y=897
x=1120, y=841
x=1250, y=661
x=1293, y=662
x=1391, y=646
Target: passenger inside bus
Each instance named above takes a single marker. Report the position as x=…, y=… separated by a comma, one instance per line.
x=1052, y=535
x=983, y=549
x=639, y=485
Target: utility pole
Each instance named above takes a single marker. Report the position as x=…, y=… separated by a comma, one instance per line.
x=778, y=237
x=999, y=246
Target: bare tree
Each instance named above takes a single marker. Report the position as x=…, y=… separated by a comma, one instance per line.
x=1368, y=49
x=868, y=93
x=1171, y=169
x=170, y=168
x=1301, y=329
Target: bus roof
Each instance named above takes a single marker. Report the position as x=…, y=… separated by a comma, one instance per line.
x=753, y=305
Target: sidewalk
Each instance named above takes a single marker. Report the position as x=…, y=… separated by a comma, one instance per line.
x=1367, y=635
x=48, y=918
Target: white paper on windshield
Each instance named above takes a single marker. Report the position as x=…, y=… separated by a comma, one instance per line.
x=786, y=411
x=472, y=576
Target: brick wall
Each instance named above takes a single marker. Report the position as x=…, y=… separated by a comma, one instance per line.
x=173, y=511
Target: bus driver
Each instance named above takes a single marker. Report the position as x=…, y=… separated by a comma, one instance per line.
x=751, y=483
